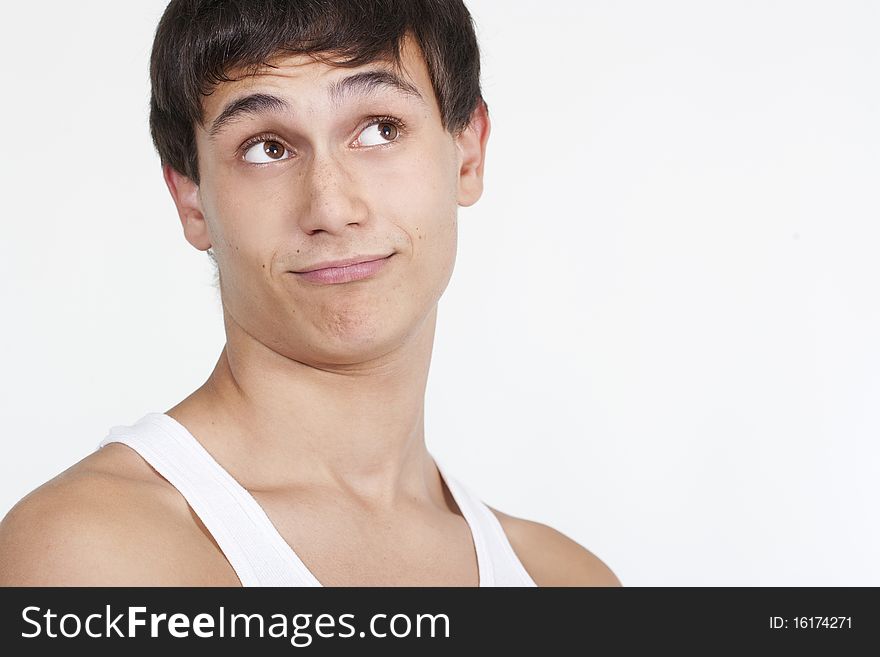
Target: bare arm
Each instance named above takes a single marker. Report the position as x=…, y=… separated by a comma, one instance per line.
x=90, y=531
x=552, y=558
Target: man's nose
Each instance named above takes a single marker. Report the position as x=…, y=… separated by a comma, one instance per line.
x=333, y=195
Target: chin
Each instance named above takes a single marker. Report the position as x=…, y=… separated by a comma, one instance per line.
x=349, y=340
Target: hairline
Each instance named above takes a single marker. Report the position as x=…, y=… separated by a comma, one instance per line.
x=389, y=60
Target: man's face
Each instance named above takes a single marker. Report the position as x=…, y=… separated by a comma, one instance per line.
x=315, y=176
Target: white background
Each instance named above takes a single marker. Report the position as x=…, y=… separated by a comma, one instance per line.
x=661, y=334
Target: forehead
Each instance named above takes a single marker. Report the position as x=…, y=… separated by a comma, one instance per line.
x=300, y=80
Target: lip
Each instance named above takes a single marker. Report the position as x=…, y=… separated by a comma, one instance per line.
x=344, y=271
x=343, y=263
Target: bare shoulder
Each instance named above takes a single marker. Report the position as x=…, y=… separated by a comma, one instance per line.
x=551, y=557
x=105, y=521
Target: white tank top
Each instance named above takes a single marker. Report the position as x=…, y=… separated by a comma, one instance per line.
x=257, y=552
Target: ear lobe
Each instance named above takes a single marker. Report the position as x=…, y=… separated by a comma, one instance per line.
x=189, y=207
x=472, y=144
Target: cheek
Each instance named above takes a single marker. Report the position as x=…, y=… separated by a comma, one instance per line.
x=416, y=193
x=237, y=221
x=437, y=222
x=428, y=213
x=434, y=229
x=423, y=188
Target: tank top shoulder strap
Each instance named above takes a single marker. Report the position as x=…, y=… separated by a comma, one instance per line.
x=251, y=544
x=504, y=566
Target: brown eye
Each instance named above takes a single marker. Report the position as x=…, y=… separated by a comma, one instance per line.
x=388, y=131
x=380, y=132
x=267, y=150
x=273, y=149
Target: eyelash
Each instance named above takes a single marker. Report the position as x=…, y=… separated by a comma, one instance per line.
x=268, y=136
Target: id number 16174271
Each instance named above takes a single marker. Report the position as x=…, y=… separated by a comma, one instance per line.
x=811, y=623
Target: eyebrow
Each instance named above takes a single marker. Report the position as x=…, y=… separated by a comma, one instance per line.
x=252, y=104
x=368, y=82
x=364, y=83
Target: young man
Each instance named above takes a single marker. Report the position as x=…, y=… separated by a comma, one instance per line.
x=320, y=151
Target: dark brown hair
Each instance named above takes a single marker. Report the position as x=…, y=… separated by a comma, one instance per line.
x=199, y=43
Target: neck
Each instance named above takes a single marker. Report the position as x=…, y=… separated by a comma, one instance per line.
x=278, y=424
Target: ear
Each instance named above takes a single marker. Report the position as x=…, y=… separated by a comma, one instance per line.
x=189, y=207
x=472, y=146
